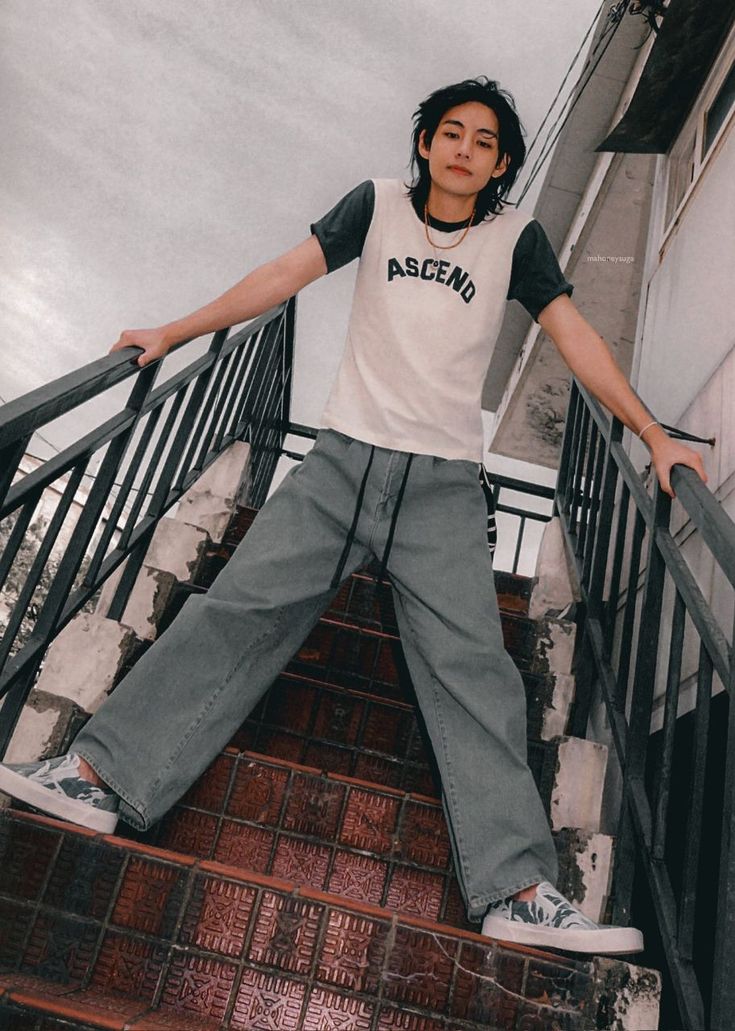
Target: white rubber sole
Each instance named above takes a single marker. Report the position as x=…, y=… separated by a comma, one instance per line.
x=48, y=801
x=609, y=941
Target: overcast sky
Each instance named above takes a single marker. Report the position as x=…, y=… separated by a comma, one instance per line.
x=154, y=151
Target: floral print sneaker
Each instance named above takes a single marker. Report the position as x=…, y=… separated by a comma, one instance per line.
x=550, y=920
x=55, y=787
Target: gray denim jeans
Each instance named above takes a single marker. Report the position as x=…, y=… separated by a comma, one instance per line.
x=187, y=695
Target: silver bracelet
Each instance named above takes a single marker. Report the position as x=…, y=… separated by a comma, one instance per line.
x=651, y=423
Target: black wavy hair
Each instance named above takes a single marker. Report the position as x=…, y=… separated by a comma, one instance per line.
x=429, y=114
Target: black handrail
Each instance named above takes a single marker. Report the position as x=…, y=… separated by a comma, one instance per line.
x=620, y=642
x=152, y=450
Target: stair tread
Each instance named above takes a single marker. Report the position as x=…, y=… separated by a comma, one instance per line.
x=443, y=963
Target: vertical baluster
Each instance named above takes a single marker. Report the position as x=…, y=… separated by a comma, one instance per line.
x=601, y=548
x=662, y=784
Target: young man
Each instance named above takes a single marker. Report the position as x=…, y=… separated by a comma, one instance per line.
x=393, y=474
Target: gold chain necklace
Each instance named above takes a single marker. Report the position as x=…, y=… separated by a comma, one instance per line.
x=444, y=247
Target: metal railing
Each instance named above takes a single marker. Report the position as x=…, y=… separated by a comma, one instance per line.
x=150, y=453
x=644, y=625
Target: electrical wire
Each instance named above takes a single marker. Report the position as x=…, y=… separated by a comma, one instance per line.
x=606, y=37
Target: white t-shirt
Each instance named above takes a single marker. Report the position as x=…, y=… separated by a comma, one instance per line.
x=424, y=323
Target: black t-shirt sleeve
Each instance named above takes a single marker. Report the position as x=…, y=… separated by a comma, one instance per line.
x=342, y=231
x=536, y=278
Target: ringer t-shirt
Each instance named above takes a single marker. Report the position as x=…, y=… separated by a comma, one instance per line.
x=424, y=321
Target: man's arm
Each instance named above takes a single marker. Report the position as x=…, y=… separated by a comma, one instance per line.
x=591, y=361
x=260, y=290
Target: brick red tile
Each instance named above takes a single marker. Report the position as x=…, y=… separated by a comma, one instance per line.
x=209, y=791
x=392, y=1019
x=488, y=985
x=285, y=932
x=422, y=781
x=173, y=1020
x=369, y=821
x=313, y=806
x=246, y=847
x=333, y=758
x=338, y=717
x=387, y=729
x=189, y=831
x=385, y=667
x=302, y=862
x=217, y=916
x=415, y=891
x=198, y=984
x=352, y=951
x=59, y=948
x=423, y=835
x=377, y=769
x=290, y=704
x=128, y=965
x=257, y=793
x=280, y=744
x=358, y=877
x=564, y=983
x=26, y=853
x=15, y=920
x=330, y=1011
x=266, y=1002
x=419, y=968
x=455, y=911
x=84, y=877
x=150, y=897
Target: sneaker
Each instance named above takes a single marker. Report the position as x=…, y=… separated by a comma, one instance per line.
x=550, y=920
x=55, y=787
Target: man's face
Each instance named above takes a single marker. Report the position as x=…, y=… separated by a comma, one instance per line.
x=464, y=153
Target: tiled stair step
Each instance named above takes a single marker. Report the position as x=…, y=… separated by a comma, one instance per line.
x=347, y=836
x=29, y=1003
x=361, y=615
x=373, y=661
x=367, y=737
x=356, y=734
x=158, y=930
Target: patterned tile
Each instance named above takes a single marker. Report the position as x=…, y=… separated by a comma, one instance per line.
x=150, y=897
x=370, y=820
x=358, y=877
x=209, y=791
x=188, y=831
x=352, y=951
x=59, y=948
x=257, y=793
x=84, y=877
x=302, y=862
x=285, y=932
x=129, y=966
x=423, y=835
x=198, y=984
x=388, y=729
x=267, y=1003
x=391, y=1019
x=489, y=985
x=329, y=1011
x=323, y=756
x=338, y=717
x=26, y=853
x=291, y=704
x=313, y=806
x=415, y=891
x=246, y=847
x=14, y=923
x=419, y=968
x=173, y=1020
x=279, y=744
x=217, y=916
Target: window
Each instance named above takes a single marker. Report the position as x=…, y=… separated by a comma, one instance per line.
x=716, y=114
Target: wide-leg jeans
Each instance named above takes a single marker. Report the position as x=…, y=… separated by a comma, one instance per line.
x=184, y=699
